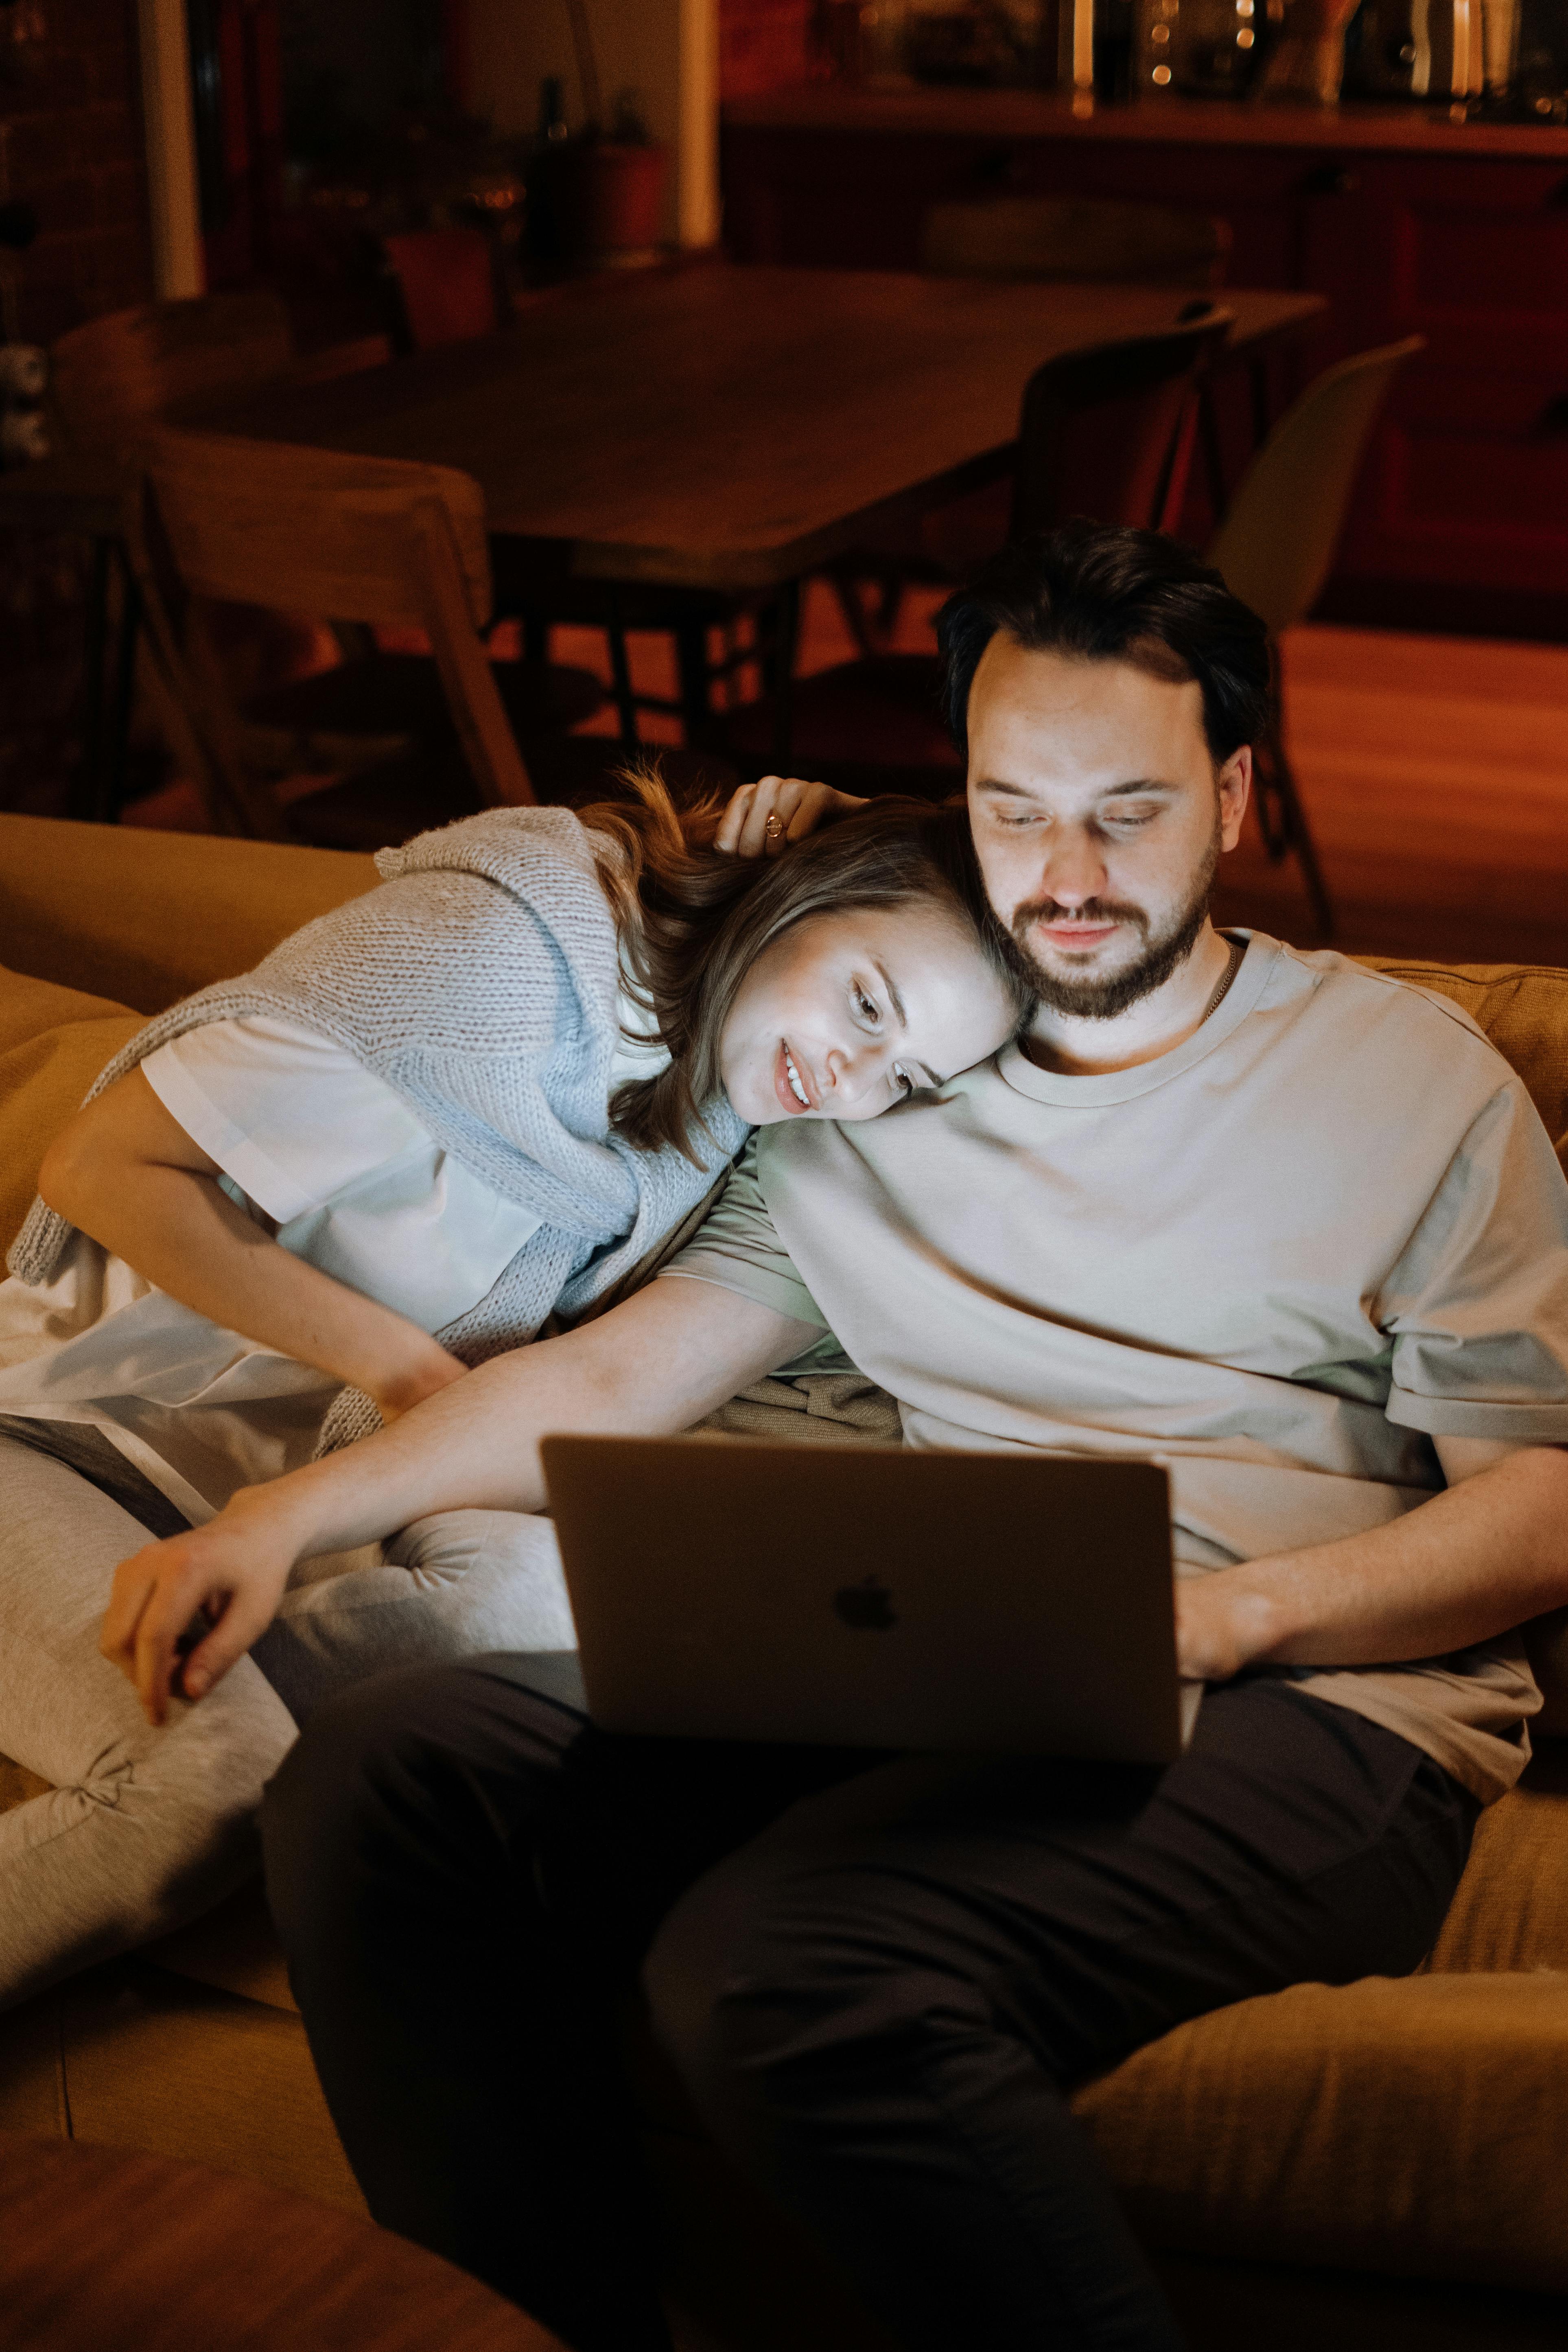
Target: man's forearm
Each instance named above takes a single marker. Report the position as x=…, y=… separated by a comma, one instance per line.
x=651, y=1367
x=1461, y=1568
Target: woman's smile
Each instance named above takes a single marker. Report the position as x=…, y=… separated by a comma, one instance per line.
x=792, y=1084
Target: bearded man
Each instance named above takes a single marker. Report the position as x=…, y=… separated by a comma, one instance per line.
x=1287, y=1227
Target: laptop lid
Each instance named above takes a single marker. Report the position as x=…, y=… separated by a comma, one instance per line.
x=870, y=1596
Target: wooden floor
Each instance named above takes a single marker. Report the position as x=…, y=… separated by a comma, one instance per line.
x=1434, y=772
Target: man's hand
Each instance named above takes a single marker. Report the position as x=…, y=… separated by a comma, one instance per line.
x=232, y=1573
x=1219, y=1628
x=1467, y=1565
x=745, y=831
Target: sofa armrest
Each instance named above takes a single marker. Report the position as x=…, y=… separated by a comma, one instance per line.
x=145, y=918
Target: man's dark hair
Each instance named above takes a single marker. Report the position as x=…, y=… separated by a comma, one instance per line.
x=1102, y=591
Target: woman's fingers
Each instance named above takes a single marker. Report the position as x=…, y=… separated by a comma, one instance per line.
x=763, y=818
x=728, y=837
x=819, y=804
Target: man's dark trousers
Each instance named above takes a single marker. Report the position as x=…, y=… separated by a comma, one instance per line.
x=877, y=1977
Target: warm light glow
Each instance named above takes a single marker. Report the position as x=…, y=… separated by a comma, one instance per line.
x=1243, y=39
x=1162, y=74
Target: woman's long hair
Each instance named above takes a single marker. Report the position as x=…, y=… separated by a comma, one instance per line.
x=692, y=922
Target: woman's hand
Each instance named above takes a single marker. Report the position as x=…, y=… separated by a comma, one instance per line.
x=420, y=1373
x=748, y=827
x=232, y=1573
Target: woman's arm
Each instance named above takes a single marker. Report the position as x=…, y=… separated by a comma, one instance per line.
x=125, y=1172
x=651, y=1368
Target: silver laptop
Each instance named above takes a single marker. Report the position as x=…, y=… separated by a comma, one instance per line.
x=872, y=1596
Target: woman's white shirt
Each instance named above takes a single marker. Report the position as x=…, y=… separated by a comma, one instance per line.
x=335, y=1165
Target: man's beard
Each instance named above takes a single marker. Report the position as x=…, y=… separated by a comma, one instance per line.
x=1096, y=998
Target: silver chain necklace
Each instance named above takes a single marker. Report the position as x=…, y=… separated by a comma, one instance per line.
x=1234, y=952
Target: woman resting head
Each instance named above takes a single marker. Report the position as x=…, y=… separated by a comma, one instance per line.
x=830, y=983
x=478, y=1095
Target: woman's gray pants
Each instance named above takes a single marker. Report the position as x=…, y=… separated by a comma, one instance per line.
x=144, y=1829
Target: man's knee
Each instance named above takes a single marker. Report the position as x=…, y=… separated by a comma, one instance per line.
x=762, y=1987
x=398, y=1779
x=345, y=1785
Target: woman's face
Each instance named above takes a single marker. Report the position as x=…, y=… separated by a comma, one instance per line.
x=846, y=1014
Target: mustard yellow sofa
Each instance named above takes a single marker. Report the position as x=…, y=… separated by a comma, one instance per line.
x=1383, y=2164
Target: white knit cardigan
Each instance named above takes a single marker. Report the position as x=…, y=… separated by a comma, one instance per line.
x=480, y=981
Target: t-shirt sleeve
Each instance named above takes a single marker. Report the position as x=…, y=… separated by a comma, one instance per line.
x=291, y=1116
x=1477, y=1305
x=737, y=1246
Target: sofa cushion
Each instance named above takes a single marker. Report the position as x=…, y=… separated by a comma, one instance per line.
x=1416, y=2125
x=53, y=1043
x=1510, y=1911
x=148, y=916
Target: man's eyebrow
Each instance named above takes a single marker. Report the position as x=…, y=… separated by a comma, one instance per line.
x=1136, y=784
x=897, y=1001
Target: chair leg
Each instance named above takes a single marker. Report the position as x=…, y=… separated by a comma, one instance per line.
x=847, y=595
x=787, y=631
x=696, y=678
x=1282, y=820
x=621, y=677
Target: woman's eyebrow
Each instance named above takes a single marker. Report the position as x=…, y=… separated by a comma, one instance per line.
x=894, y=998
x=897, y=1001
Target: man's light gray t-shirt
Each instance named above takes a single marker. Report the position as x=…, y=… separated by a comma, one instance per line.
x=1281, y=1259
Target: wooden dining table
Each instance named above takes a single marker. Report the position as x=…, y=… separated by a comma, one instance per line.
x=731, y=428
x=712, y=428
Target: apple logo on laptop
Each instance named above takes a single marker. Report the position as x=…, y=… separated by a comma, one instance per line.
x=868, y=1606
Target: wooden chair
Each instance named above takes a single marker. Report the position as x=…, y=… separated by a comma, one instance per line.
x=1276, y=547
x=1108, y=432
x=365, y=541
x=1052, y=239
x=444, y=284
x=110, y=380
x=1074, y=238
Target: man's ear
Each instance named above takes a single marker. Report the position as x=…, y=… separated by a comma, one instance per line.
x=1234, y=782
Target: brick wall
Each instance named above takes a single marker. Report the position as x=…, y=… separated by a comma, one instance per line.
x=70, y=145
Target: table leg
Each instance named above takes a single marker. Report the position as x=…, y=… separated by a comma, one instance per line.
x=696, y=701
x=786, y=632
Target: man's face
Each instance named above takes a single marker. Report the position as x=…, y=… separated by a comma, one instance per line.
x=1099, y=818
